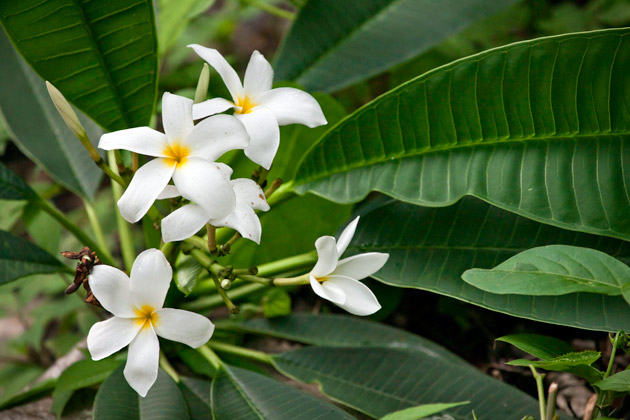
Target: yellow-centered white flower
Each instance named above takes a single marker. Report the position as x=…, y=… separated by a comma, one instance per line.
x=189, y=219
x=338, y=281
x=185, y=153
x=139, y=318
x=256, y=105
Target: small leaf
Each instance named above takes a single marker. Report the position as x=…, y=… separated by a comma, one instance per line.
x=19, y=258
x=186, y=273
x=557, y=270
x=537, y=345
x=12, y=187
x=421, y=411
x=619, y=382
x=586, y=358
x=276, y=302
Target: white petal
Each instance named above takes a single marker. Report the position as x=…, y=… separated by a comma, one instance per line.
x=329, y=292
x=142, y=361
x=111, y=287
x=244, y=220
x=361, y=266
x=251, y=193
x=293, y=106
x=183, y=326
x=225, y=170
x=147, y=184
x=143, y=140
x=183, y=223
x=327, y=256
x=170, y=191
x=151, y=276
x=227, y=73
x=201, y=182
x=176, y=117
x=107, y=337
x=346, y=236
x=258, y=76
x=264, y=136
x=359, y=298
x=216, y=135
x=211, y=107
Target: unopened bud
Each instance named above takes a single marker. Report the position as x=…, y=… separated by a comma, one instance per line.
x=226, y=284
x=202, y=85
x=66, y=111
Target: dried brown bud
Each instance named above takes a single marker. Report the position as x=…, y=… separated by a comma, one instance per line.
x=87, y=261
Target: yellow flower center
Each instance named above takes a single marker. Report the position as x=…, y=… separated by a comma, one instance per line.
x=176, y=153
x=246, y=105
x=146, y=316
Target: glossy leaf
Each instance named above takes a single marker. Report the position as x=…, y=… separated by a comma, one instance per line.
x=539, y=128
x=20, y=258
x=339, y=331
x=239, y=394
x=537, y=345
x=378, y=381
x=196, y=392
x=619, y=382
x=116, y=400
x=551, y=271
x=566, y=360
x=421, y=411
x=431, y=247
x=101, y=55
x=39, y=131
x=333, y=44
x=12, y=187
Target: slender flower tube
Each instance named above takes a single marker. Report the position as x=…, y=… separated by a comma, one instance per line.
x=338, y=281
x=260, y=108
x=185, y=153
x=189, y=219
x=139, y=318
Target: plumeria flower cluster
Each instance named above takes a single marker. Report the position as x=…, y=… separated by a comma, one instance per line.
x=186, y=154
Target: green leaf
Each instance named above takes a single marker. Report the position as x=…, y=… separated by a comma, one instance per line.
x=19, y=258
x=174, y=16
x=196, y=392
x=378, y=381
x=496, y=125
x=421, y=411
x=101, y=56
x=339, y=331
x=116, y=400
x=39, y=131
x=619, y=382
x=196, y=362
x=41, y=226
x=551, y=271
x=431, y=247
x=239, y=394
x=82, y=374
x=12, y=187
x=276, y=302
x=38, y=391
x=186, y=273
x=537, y=345
x=333, y=44
x=566, y=360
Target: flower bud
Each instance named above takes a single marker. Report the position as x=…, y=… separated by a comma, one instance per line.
x=202, y=85
x=226, y=284
x=66, y=111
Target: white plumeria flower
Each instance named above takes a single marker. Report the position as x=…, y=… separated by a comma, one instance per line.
x=139, y=317
x=338, y=281
x=258, y=106
x=184, y=153
x=189, y=219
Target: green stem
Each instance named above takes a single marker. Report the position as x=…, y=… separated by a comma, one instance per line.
x=212, y=267
x=124, y=233
x=96, y=226
x=167, y=248
x=214, y=301
x=222, y=347
x=210, y=356
x=74, y=229
x=168, y=368
x=282, y=194
x=293, y=281
x=541, y=392
x=602, y=394
x=270, y=8
x=287, y=264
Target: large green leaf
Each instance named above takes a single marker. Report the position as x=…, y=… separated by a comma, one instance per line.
x=339, y=331
x=421, y=411
x=539, y=128
x=430, y=248
x=20, y=258
x=196, y=392
x=12, y=187
x=116, y=400
x=239, y=394
x=335, y=43
x=39, y=131
x=553, y=270
x=378, y=381
x=101, y=55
